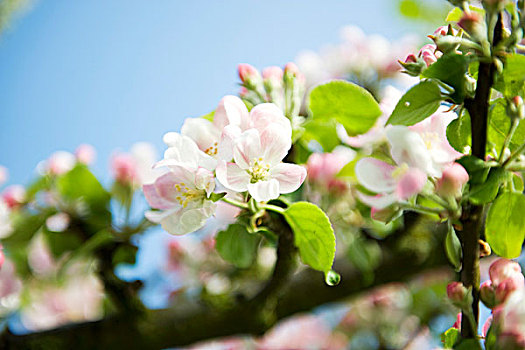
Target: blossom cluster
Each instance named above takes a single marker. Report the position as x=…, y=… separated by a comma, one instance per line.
x=243, y=150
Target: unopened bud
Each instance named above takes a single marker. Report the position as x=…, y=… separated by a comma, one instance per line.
x=413, y=66
x=506, y=288
x=487, y=294
x=85, y=154
x=516, y=108
x=458, y=294
x=291, y=70
x=452, y=181
x=502, y=269
x=473, y=24
x=273, y=74
x=14, y=195
x=248, y=74
x=428, y=54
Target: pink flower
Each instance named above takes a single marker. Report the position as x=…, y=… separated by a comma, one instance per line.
x=323, y=167
x=182, y=195
x=428, y=54
x=452, y=181
x=258, y=166
x=292, y=70
x=59, y=163
x=411, y=58
x=457, y=293
x=14, y=195
x=502, y=269
x=457, y=324
x=248, y=74
x=124, y=168
x=86, y=154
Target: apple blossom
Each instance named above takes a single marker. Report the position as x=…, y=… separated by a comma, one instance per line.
x=58, y=222
x=322, y=168
x=4, y=175
x=457, y=293
x=86, y=154
x=136, y=167
x=273, y=75
x=182, y=195
x=14, y=195
x=429, y=54
x=258, y=168
x=248, y=74
x=453, y=179
x=502, y=269
x=58, y=163
x=487, y=294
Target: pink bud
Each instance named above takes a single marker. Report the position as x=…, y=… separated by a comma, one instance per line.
x=86, y=154
x=428, y=54
x=441, y=31
x=292, y=70
x=175, y=253
x=452, y=181
x=14, y=195
x=487, y=294
x=4, y=175
x=124, y=168
x=273, y=74
x=471, y=22
x=505, y=288
x=502, y=269
x=323, y=167
x=411, y=58
x=60, y=162
x=243, y=91
x=248, y=73
x=457, y=293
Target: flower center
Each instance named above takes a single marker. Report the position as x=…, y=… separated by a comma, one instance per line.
x=212, y=150
x=430, y=139
x=400, y=171
x=186, y=195
x=258, y=171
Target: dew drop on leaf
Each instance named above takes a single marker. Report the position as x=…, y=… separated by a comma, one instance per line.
x=332, y=278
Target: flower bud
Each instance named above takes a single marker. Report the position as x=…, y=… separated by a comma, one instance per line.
x=428, y=54
x=453, y=179
x=457, y=324
x=458, y=294
x=58, y=222
x=59, y=163
x=505, y=288
x=14, y=195
x=473, y=24
x=292, y=71
x=249, y=75
x=516, y=108
x=487, y=294
x=124, y=168
x=412, y=65
x=273, y=74
x=85, y=154
x=447, y=43
x=502, y=269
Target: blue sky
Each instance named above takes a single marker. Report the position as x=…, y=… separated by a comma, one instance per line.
x=111, y=73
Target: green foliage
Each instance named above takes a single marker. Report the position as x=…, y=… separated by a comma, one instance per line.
x=499, y=126
x=425, y=12
x=417, y=104
x=80, y=183
x=313, y=233
x=365, y=255
x=124, y=254
x=347, y=103
x=453, y=248
x=458, y=132
x=505, y=226
x=61, y=242
x=456, y=13
x=449, y=338
x=486, y=191
x=512, y=81
x=451, y=69
x=324, y=132
x=237, y=246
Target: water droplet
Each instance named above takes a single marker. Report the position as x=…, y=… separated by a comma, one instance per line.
x=407, y=104
x=332, y=278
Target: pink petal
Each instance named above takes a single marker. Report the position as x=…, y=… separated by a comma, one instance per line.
x=231, y=111
x=411, y=183
x=379, y=201
x=275, y=144
x=247, y=147
x=375, y=175
x=264, y=114
x=290, y=176
x=154, y=199
x=231, y=176
x=263, y=191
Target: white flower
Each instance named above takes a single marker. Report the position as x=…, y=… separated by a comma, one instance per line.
x=258, y=166
x=5, y=222
x=182, y=196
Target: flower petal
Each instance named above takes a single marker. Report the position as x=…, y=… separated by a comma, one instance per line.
x=231, y=111
x=203, y=132
x=247, y=147
x=379, y=201
x=290, y=176
x=204, y=180
x=265, y=114
x=411, y=183
x=154, y=199
x=229, y=134
x=275, y=144
x=231, y=176
x=263, y=191
x=375, y=175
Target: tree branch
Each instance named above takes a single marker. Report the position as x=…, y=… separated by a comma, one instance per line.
x=187, y=324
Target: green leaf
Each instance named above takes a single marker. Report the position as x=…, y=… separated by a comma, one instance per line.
x=512, y=81
x=458, y=132
x=499, y=126
x=313, y=233
x=417, y=104
x=486, y=192
x=449, y=338
x=125, y=254
x=456, y=13
x=237, y=246
x=322, y=131
x=80, y=183
x=347, y=103
x=453, y=248
x=505, y=226
x=477, y=169
x=209, y=116
x=61, y=242
x=450, y=69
